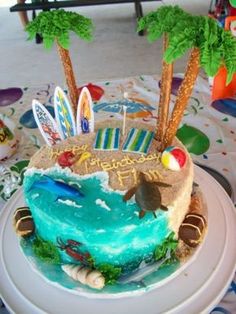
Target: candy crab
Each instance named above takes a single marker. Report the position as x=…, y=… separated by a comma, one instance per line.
x=71, y=247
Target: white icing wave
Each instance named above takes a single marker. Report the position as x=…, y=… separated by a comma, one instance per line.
x=102, y=204
x=101, y=175
x=34, y=196
x=128, y=229
x=69, y=203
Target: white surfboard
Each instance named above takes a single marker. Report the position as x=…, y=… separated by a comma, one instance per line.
x=64, y=114
x=85, y=114
x=45, y=123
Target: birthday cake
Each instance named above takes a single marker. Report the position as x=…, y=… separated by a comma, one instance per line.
x=107, y=203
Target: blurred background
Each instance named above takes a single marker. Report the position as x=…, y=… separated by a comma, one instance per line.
x=117, y=51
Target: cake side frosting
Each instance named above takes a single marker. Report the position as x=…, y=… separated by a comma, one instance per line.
x=109, y=229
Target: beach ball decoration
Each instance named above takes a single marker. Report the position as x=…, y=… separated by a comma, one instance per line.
x=173, y=158
x=8, y=141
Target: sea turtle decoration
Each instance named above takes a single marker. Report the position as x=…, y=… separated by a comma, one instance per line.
x=147, y=195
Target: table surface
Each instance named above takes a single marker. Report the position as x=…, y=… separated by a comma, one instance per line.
x=209, y=132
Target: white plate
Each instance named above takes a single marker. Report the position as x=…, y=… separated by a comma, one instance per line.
x=197, y=289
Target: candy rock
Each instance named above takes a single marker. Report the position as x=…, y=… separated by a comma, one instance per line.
x=173, y=158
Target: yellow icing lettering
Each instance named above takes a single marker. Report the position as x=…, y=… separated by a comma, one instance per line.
x=150, y=157
x=84, y=146
x=155, y=174
x=86, y=166
x=128, y=160
x=115, y=164
x=55, y=153
x=126, y=174
x=106, y=166
x=148, y=175
x=141, y=159
x=75, y=149
x=134, y=172
x=95, y=162
x=83, y=156
x=122, y=163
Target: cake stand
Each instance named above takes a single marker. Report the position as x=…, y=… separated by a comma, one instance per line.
x=195, y=289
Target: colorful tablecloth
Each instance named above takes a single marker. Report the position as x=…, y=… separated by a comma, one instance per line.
x=208, y=130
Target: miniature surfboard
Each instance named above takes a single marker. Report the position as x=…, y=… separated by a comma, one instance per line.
x=46, y=123
x=85, y=115
x=64, y=114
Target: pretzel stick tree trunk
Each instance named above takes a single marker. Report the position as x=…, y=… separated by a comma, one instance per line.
x=184, y=93
x=55, y=26
x=165, y=92
x=69, y=74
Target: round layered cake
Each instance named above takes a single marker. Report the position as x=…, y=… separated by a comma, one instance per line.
x=106, y=199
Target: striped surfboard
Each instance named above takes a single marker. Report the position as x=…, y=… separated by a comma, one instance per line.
x=138, y=141
x=107, y=139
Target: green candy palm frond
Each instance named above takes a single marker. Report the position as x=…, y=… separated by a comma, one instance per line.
x=217, y=48
x=56, y=25
x=211, y=48
x=161, y=21
x=180, y=41
x=229, y=54
x=185, y=31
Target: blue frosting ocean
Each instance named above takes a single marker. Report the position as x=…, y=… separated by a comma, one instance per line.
x=108, y=228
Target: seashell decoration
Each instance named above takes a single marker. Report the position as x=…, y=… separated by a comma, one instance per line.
x=87, y=276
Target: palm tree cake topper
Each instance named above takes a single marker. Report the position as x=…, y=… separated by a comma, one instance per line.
x=55, y=25
x=211, y=47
